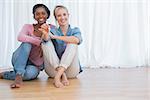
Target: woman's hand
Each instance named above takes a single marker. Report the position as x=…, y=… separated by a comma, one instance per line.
x=45, y=30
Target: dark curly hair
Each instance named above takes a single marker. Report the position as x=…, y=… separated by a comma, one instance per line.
x=43, y=6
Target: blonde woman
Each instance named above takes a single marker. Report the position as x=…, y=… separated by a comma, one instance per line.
x=61, y=51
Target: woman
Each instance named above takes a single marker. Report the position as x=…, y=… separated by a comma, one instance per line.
x=61, y=59
x=27, y=60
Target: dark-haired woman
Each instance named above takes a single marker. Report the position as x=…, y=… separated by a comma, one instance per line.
x=27, y=60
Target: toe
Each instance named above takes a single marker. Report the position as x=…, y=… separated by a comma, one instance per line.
x=13, y=85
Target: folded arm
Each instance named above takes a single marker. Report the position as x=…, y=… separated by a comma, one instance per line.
x=25, y=36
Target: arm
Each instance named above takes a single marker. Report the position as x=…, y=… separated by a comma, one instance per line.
x=75, y=37
x=24, y=36
x=68, y=39
x=45, y=29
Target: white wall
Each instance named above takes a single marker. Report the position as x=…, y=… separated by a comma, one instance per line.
x=115, y=32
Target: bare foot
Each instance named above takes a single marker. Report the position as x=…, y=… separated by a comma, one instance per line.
x=57, y=83
x=18, y=82
x=64, y=81
x=1, y=75
x=57, y=78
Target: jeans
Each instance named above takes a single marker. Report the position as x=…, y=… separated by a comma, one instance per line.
x=22, y=65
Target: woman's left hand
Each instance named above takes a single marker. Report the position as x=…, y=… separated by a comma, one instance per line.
x=45, y=30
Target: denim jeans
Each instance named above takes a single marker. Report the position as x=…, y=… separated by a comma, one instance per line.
x=22, y=65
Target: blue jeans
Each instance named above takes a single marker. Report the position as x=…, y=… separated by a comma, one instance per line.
x=22, y=65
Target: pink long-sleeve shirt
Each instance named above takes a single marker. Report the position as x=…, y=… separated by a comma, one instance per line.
x=26, y=35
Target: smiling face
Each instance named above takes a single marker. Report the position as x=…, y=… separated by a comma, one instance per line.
x=40, y=15
x=62, y=16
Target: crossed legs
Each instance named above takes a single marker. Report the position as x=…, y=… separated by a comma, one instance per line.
x=60, y=69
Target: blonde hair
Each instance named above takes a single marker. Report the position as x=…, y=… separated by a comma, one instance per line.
x=58, y=7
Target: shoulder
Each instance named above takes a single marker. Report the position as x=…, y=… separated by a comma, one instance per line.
x=53, y=29
x=27, y=26
x=75, y=29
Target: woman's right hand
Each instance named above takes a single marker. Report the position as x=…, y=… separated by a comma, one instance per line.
x=45, y=30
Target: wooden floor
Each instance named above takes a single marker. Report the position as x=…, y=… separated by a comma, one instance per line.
x=92, y=84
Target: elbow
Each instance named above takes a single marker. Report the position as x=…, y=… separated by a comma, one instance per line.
x=76, y=41
x=19, y=38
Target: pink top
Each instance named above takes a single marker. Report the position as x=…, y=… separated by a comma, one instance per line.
x=26, y=35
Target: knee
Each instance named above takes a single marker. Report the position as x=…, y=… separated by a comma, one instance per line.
x=23, y=47
x=72, y=45
x=26, y=46
x=23, y=50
